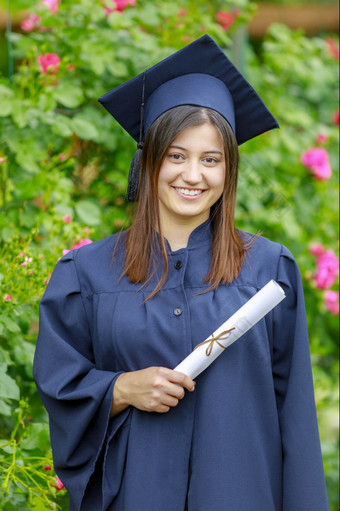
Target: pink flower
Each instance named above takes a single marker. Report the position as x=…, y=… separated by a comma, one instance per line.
x=332, y=47
x=119, y=5
x=67, y=219
x=122, y=4
x=53, y=5
x=182, y=13
x=47, y=467
x=58, y=484
x=321, y=138
x=30, y=23
x=335, y=118
x=327, y=269
x=316, y=249
x=316, y=160
x=331, y=300
x=80, y=244
x=27, y=261
x=49, y=63
x=8, y=298
x=225, y=19
x=46, y=281
x=62, y=157
x=2, y=159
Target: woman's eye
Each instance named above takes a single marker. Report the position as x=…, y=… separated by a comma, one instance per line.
x=175, y=156
x=210, y=160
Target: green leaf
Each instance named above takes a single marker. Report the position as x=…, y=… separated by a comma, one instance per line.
x=9, y=324
x=5, y=410
x=88, y=212
x=5, y=107
x=37, y=437
x=8, y=387
x=68, y=95
x=84, y=129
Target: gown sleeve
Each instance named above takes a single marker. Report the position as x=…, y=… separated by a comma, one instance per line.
x=76, y=394
x=304, y=487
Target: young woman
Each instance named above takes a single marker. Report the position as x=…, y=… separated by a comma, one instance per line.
x=128, y=432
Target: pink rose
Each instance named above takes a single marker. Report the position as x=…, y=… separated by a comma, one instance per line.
x=321, y=138
x=327, y=270
x=2, y=159
x=80, y=243
x=30, y=23
x=316, y=160
x=8, y=298
x=331, y=300
x=58, y=484
x=119, y=5
x=53, y=5
x=49, y=63
x=316, y=249
x=225, y=19
x=122, y=4
x=67, y=219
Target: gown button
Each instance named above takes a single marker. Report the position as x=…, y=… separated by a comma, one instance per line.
x=178, y=265
x=178, y=311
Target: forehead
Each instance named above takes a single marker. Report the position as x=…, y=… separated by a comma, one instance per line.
x=205, y=135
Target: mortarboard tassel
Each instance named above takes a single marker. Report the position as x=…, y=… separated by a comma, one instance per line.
x=133, y=178
x=134, y=171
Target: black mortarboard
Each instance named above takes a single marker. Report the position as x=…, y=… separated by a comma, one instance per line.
x=200, y=74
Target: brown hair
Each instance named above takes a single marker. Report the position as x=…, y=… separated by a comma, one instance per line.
x=143, y=246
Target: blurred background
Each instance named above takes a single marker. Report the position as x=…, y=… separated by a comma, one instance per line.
x=64, y=165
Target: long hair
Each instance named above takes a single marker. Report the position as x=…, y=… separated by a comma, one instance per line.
x=144, y=242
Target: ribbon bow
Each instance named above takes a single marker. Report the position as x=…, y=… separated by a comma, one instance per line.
x=222, y=336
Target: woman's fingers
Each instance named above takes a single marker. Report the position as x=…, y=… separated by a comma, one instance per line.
x=153, y=389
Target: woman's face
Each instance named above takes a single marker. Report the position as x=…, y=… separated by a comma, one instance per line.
x=191, y=177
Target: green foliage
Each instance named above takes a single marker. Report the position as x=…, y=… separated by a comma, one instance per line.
x=63, y=174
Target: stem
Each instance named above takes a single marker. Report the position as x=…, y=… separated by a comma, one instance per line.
x=9, y=44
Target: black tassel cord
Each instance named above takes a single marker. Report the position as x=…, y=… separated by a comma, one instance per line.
x=133, y=178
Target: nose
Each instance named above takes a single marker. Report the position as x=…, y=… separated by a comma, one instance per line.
x=191, y=173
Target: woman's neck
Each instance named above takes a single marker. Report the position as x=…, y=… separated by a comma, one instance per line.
x=177, y=234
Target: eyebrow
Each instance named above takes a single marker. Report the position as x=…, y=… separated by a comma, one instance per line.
x=212, y=151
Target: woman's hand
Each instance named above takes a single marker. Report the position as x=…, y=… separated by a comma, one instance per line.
x=154, y=389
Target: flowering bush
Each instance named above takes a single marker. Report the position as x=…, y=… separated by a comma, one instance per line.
x=63, y=173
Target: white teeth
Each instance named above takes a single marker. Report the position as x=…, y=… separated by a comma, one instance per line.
x=185, y=191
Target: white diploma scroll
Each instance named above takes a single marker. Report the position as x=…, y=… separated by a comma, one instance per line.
x=232, y=329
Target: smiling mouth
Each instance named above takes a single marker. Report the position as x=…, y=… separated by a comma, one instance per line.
x=188, y=191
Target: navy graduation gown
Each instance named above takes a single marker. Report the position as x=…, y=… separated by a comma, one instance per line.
x=245, y=440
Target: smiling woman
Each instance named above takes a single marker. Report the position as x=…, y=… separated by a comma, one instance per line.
x=191, y=179
x=128, y=431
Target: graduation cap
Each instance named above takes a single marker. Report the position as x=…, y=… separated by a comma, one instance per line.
x=199, y=74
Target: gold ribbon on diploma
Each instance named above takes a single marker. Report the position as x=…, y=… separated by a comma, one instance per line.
x=222, y=336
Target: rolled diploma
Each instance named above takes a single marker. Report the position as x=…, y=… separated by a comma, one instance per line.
x=243, y=319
